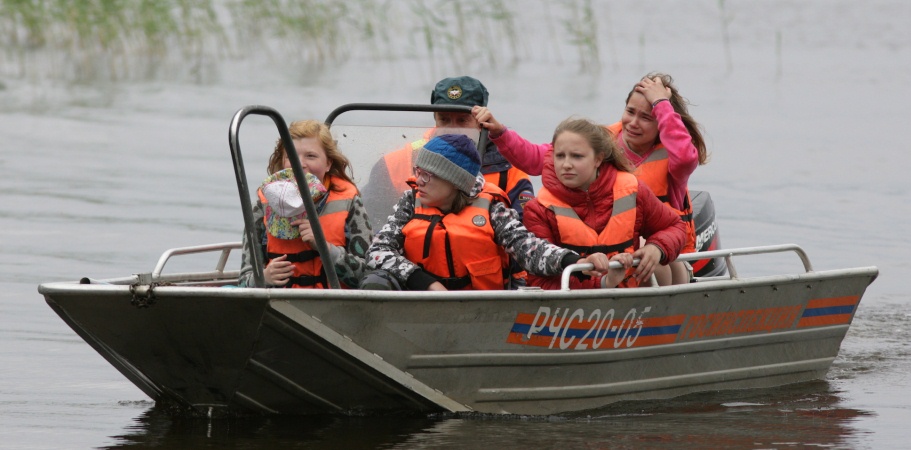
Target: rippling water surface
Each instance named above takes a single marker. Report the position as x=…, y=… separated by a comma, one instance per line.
x=804, y=108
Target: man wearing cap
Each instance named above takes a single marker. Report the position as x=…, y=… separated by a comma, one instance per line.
x=387, y=180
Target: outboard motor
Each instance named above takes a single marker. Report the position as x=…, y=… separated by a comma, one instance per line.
x=707, y=237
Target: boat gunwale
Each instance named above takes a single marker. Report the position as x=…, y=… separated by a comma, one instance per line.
x=51, y=288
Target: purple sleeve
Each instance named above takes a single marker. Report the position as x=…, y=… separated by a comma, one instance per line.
x=682, y=156
x=521, y=153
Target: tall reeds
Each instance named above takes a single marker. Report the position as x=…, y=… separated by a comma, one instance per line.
x=111, y=40
x=726, y=18
x=582, y=29
x=778, y=63
x=91, y=39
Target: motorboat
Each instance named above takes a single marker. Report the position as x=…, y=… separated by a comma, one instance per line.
x=194, y=339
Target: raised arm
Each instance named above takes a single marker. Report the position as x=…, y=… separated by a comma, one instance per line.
x=521, y=153
x=682, y=156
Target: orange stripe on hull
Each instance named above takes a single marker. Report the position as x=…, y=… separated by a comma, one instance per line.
x=833, y=301
x=834, y=319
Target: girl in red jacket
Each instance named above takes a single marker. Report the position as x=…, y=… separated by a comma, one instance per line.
x=659, y=137
x=592, y=203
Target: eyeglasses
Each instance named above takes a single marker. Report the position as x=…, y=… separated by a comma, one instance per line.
x=422, y=175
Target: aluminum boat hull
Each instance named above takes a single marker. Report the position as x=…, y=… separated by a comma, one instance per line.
x=279, y=351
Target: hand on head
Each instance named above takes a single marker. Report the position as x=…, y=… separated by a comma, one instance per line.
x=484, y=117
x=653, y=89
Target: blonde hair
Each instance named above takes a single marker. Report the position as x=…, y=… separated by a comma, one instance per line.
x=679, y=103
x=600, y=140
x=339, y=165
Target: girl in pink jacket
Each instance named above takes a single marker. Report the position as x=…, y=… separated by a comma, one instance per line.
x=655, y=116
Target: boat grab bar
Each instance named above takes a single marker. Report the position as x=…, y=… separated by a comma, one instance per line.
x=727, y=254
x=246, y=205
x=224, y=247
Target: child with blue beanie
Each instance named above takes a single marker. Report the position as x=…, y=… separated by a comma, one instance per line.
x=453, y=230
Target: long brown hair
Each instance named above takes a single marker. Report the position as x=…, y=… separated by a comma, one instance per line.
x=460, y=201
x=339, y=165
x=679, y=103
x=600, y=140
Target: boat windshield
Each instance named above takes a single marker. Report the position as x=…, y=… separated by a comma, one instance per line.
x=380, y=161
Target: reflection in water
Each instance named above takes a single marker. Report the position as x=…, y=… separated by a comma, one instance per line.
x=807, y=414
x=158, y=428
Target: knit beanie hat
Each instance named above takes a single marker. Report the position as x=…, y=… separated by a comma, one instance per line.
x=452, y=157
x=462, y=90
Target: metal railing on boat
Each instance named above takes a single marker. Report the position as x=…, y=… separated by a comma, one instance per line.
x=225, y=248
x=218, y=274
x=727, y=254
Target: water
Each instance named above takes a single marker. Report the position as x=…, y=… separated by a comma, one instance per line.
x=804, y=108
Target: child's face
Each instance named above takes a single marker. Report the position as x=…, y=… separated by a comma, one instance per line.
x=312, y=156
x=640, y=129
x=434, y=191
x=575, y=161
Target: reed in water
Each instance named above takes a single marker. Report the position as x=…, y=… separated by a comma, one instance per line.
x=103, y=41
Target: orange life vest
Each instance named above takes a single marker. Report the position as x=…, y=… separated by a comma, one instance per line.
x=653, y=172
x=400, y=163
x=458, y=248
x=308, y=267
x=617, y=236
x=506, y=179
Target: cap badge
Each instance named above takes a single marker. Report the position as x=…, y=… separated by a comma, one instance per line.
x=478, y=221
x=454, y=92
